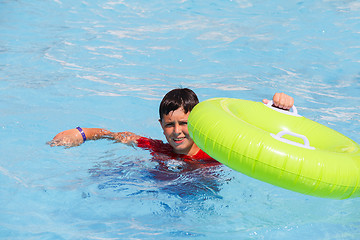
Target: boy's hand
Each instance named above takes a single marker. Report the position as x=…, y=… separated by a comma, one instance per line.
x=68, y=138
x=281, y=100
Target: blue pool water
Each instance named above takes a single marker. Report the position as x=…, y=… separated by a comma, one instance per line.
x=108, y=63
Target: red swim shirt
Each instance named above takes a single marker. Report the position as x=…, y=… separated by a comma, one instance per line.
x=163, y=152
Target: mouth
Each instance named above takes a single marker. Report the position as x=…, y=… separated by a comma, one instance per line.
x=178, y=140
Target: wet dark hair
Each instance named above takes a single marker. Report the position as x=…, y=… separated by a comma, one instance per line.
x=177, y=98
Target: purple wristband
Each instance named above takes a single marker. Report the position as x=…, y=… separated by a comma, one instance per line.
x=82, y=133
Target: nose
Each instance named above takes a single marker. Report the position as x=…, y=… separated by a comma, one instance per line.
x=177, y=128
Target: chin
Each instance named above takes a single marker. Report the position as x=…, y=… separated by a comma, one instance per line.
x=180, y=150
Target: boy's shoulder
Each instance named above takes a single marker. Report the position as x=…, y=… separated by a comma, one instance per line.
x=153, y=145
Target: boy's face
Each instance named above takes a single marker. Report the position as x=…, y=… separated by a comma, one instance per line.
x=176, y=132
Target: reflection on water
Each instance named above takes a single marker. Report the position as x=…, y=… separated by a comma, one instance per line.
x=148, y=176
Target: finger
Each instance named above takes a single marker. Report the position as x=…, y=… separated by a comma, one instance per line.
x=276, y=99
x=287, y=104
x=51, y=143
x=54, y=143
x=265, y=101
x=282, y=101
x=291, y=102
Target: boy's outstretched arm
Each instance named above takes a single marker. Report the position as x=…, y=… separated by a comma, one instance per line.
x=74, y=137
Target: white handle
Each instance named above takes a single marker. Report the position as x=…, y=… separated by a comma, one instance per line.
x=293, y=108
x=280, y=135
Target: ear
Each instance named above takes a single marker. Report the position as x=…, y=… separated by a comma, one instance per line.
x=160, y=121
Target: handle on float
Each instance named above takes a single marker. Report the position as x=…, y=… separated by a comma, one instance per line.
x=280, y=135
x=294, y=111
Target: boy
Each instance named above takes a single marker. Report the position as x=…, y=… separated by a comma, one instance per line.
x=174, y=111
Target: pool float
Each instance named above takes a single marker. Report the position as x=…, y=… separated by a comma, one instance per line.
x=278, y=147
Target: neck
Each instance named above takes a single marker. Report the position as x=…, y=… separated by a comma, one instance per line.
x=191, y=152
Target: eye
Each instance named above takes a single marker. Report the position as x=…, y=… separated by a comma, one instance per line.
x=169, y=124
x=183, y=123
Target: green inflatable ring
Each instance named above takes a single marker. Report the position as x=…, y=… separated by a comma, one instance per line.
x=278, y=147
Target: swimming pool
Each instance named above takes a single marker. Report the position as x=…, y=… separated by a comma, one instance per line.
x=108, y=64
